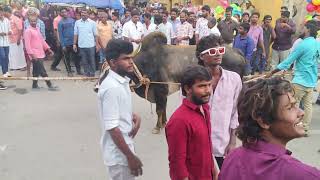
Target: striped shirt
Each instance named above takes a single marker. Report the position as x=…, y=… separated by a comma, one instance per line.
x=4, y=28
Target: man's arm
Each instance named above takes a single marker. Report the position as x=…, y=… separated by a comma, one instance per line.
x=261, y=44
x=111, y=115
x=285, y=64
x=176, y=134
x=197, y=32
x=234, y=123
x=75, y=37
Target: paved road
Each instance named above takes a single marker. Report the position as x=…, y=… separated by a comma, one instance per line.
x=55, y=135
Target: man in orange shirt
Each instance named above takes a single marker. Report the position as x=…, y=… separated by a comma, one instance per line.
x=105, y=33
x=58, y=49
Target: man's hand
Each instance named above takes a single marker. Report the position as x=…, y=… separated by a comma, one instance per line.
x=75, y=49
x=2, y=34
x=229, y=148
x=137, y=122
x=9, y=33
x=135, y=165
x=50, y=52
x=264, y=55
x=33, y=57
x=138, y=41
x=98, y=47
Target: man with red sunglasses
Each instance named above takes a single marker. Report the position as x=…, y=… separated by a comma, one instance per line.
x=223, y=102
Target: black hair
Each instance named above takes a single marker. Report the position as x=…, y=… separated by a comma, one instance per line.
x=147, y=15
x=190, y=12
x=286, y=14
x=259, y=100
x=115, y=13
x=116, y=47
x=174, y=10
x=267, y=17
x=256, y=13
x=245, y=13
x=158, y=19
x=206, y=8
x=7, y=9
x=63, y=8
x=284, y=7
x=246, y=26
x=135, y=13
x=212, y=20
x=205, y=43
x=185, y=11
x=229, y=9
x=313, y=27
x=192, y=74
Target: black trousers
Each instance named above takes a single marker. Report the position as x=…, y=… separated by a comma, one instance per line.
x=219, y=161
x=39, y=70
x=57, y=57
x=70, y=56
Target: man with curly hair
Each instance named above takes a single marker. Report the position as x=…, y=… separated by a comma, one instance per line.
x=269, y=118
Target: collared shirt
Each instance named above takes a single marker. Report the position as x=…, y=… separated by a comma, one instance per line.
x=184, y=30
x=245, y=45
x=117, y=29
x=34, y=43
x=86, y=31
x=202, y=27
x=167, y=29
x=284, y=35
x=134, y=31
x=305, y=56
x=189, y=144
x=105, y=32
x=16, y=26
x=115, y=110
x=265, y=161
x=228, y=30
x=65, y=30
x=224, y=112
x=256, y=33
x=4, y=28
x=40, y=25
x=175, y=24
x=147, y=30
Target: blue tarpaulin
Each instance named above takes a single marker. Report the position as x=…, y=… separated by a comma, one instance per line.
x=114, y=4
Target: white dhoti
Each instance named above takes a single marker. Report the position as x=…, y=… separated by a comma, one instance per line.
x=17, y=59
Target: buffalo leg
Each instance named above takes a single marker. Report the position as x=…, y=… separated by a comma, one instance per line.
x=161, y=93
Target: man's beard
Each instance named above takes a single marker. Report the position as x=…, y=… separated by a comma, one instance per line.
x=198, y=101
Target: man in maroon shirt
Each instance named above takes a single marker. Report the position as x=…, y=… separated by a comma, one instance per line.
x=188, y=131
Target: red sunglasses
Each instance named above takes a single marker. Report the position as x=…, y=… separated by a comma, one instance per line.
x=214, y=51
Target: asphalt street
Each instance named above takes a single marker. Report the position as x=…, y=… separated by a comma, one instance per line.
x=55, y=135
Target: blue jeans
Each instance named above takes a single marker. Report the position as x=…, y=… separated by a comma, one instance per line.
x=102, y=55
x=4, y=59
x=258, y=63
x=88, y=61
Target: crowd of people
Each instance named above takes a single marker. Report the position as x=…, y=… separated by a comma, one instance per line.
x=216, y=108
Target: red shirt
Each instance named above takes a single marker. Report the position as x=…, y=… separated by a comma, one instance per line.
x=188, y=136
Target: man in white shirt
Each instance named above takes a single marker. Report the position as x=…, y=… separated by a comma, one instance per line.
x=202, y=29
x=166, y=28
x=119, y=123
x=133, y=30
x=184, y=31
x=148, y=26
x=5, y=31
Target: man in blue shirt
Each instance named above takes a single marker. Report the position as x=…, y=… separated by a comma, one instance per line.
x=85, y=33
x=245, y=44
x=65, y=30
x=305, y=56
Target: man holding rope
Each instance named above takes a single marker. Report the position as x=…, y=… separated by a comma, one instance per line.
x=305, y=56
x=119, y=124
